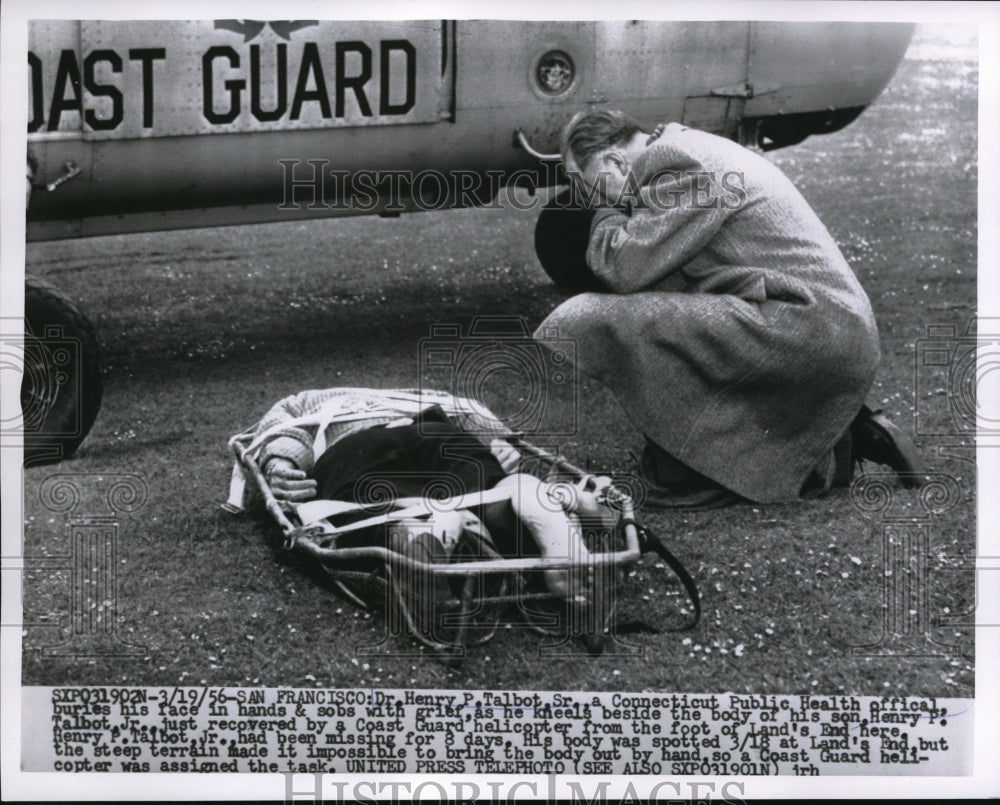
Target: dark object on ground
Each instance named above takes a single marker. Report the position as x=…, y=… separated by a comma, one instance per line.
x=877, y=439
x=561, y=237
x=670, y=484
x=61, y=387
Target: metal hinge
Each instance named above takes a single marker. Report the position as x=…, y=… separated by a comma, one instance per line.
x=744, y=89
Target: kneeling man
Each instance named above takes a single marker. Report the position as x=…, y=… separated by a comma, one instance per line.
x=736, y=337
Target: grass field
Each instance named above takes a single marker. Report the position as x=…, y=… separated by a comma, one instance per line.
x=203, y=330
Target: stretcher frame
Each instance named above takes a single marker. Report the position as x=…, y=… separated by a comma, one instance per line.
x=590, y=622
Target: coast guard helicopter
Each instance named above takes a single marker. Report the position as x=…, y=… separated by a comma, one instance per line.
x=142, y=125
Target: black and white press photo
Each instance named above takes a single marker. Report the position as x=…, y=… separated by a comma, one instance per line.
x=475, y=402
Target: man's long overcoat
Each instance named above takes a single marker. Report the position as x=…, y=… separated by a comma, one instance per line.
x=737, y=337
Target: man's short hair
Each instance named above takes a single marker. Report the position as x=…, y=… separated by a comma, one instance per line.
x=589, y=133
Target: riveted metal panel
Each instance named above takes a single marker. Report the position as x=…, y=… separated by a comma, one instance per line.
x=497, y=62
x=822, y=65
x=130, y=79
x=498, y=91
x=660, y=71
x=653, y=65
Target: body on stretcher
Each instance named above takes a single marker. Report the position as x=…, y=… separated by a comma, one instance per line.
x=484, y=577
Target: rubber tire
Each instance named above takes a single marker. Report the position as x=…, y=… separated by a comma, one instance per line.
x=61, y=388
x=562, y=234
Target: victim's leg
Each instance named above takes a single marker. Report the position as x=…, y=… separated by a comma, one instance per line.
x=556, y=533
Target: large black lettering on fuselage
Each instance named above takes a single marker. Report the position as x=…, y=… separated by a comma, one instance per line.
x=353, y=63
x=350, y=79
x=68, y=97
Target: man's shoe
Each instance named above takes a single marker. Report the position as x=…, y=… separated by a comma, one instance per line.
x=874, y=438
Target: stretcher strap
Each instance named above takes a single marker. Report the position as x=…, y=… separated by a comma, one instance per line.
x=403, y=404
x=237, y=489
x=317, y=511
